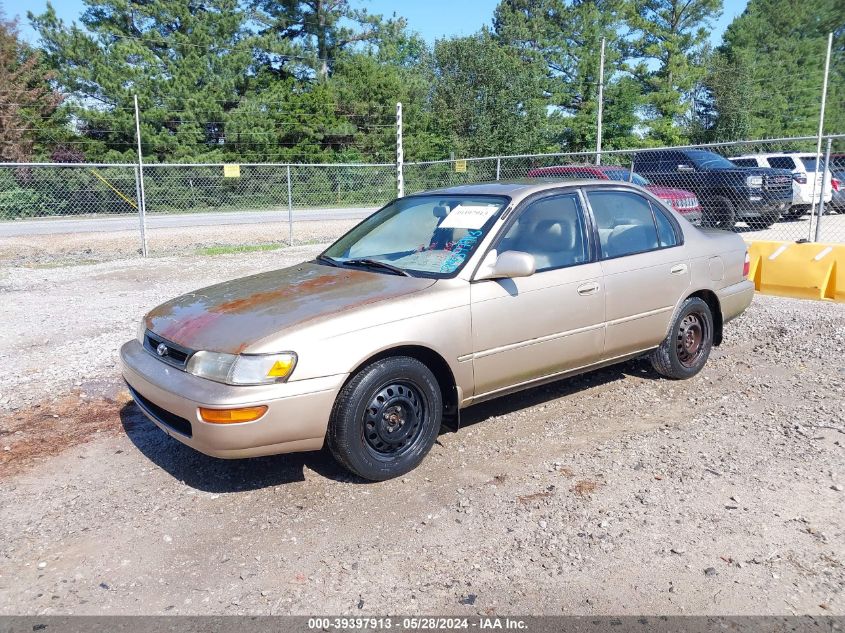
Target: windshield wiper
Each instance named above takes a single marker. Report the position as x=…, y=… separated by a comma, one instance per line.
x=374, y=263
x=328, y=260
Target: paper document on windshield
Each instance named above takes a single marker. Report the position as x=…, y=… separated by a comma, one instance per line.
x=469, y=216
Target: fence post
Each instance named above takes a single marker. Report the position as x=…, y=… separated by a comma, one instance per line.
x=498, y=167
x=139, y=172
x=821, y=131
x=400, y=155
x=601, y=105
x=825, y=172
x=290, y=211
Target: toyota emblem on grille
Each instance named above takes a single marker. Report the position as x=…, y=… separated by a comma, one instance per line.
x=161, y=350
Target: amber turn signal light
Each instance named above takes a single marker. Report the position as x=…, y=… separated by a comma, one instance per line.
x=232, y=416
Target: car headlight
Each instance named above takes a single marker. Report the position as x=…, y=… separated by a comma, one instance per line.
x=243, y=369
x=142, y=330
x=754, y=182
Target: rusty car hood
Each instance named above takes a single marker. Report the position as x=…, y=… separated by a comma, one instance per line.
x=231, y=316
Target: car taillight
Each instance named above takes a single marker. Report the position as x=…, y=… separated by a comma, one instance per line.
x=800, y=177
x=746, y=267
x=834, y=182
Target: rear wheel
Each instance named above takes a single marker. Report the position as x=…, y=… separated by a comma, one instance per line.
x=685, y=351
x=386, y=418
x=720, y=214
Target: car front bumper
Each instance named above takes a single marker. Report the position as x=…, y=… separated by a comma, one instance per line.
x=296, y=418
x=757, y=205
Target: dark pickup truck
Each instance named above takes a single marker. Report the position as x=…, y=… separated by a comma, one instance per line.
x=728, y=194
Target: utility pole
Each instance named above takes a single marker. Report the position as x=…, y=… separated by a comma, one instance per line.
x=400, y=155
x=819, y=141
x=142, y=206
x=601, y=105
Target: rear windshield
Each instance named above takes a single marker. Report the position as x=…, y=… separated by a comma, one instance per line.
x=625, y=176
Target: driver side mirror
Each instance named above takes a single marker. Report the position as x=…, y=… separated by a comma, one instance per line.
x=508, y=265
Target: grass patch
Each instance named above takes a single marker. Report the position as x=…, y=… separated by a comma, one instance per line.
x=248, y=248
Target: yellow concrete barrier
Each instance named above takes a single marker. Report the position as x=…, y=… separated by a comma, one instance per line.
x=805, y=271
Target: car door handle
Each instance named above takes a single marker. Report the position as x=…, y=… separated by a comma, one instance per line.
x=678, y=269
x=588, y=289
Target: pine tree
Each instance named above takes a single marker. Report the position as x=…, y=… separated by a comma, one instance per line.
x=27, y=103
x=566, y=38
x=670, y=36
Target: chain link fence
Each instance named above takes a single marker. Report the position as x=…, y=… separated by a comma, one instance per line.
x=86, y=212
x=772, y=190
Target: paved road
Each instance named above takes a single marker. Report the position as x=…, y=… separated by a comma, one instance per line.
x=49, y=226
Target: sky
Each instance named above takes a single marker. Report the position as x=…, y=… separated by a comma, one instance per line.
x=433, y=19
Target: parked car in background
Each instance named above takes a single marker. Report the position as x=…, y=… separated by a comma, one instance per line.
x=684, y=202
x=806, y=178
x=728, y=194
x=837, y=167
x=438, y=301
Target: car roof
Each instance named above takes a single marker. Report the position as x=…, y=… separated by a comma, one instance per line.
x=518, y=189
x=777, y=155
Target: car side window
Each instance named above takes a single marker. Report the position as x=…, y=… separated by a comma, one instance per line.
x=552, y=230
x=625, y=223
x=781, y=162
x=665, y=230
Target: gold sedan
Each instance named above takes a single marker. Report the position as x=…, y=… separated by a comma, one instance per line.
x=435, y=302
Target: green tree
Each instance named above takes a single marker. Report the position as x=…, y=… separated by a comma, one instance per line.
x=670, y=36
x=566, y=38
x=184, y=60
x=316, y=32
x=487, y=99
x=28, y=104
x=779, y=52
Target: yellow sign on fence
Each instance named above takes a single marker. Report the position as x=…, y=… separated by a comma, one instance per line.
x=461, y=166
x=231, y=171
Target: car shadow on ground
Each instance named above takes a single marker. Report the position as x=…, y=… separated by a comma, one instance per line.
x=535, y=396
x=211, y=474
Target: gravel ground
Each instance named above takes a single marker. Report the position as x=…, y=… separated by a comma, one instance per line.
x=613, y=493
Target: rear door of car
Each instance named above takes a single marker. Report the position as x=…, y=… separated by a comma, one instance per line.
x=549, y=322
x=644, y=266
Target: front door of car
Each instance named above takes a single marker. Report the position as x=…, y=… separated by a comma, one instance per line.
x=549, y=322
x=645, y=268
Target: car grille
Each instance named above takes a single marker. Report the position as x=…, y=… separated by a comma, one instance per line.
x=779, y=184
x=170, y=420
x=174, y=354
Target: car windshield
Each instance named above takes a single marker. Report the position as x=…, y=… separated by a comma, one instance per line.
x=426, y=235
x=625, y=175
x=708, y=160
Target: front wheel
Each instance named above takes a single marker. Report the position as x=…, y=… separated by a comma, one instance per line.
x=720, y=214
x=386, y=419
x=685, y=351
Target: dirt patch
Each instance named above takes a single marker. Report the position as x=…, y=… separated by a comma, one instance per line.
x=52, y=428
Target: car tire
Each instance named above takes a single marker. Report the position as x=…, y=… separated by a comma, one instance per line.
x=685, y=351
x=386, y=418
x=766, y=221
x=720, y=214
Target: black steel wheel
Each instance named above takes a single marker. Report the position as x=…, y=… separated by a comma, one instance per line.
x=386, y=418
x=685, y=351
x=394, y=420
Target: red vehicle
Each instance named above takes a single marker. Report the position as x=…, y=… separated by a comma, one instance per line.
x=684, y=202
